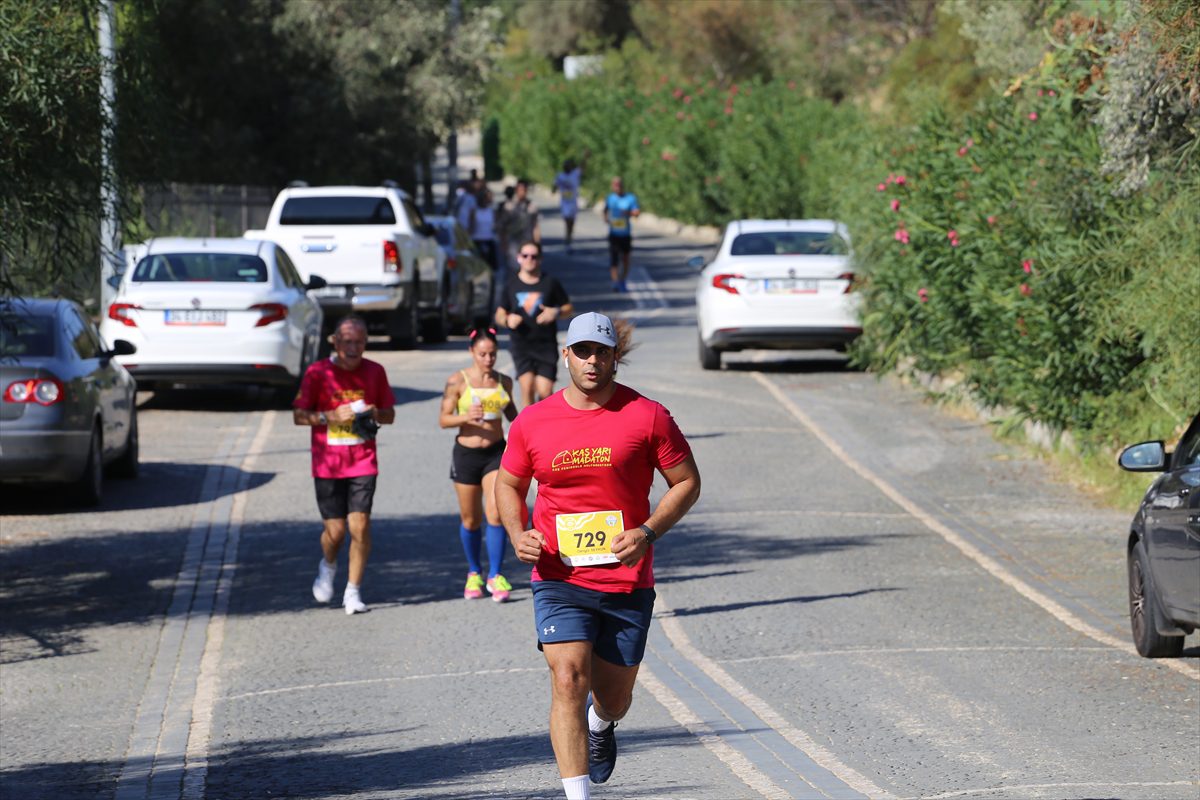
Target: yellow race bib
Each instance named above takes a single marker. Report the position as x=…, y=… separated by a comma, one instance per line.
x=585, y=540
x=619, y=223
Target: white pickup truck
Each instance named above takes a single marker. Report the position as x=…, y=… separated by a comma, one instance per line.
x=378, y=256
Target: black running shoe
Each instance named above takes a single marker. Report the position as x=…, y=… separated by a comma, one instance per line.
x=602, y=752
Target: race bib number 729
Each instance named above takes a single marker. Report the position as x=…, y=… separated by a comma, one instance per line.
x=585, y=540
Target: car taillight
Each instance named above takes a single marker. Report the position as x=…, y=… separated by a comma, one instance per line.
x=851, y=281
x=120, y=312
x=43, y=391
x=725, y=281
x=451, y=263
x=271, y=312
x=391, y=257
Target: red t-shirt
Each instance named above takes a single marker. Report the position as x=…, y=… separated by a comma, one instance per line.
x=336, y=451
x=597, y=460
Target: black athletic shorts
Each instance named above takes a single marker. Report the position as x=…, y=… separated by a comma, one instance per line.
x=618, y=245
x=337, y=497
x=469, y=464
x=541, y=360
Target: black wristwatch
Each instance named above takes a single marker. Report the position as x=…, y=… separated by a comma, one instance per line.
x=650, y=534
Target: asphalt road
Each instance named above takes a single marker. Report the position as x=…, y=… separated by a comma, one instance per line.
x=872, y=598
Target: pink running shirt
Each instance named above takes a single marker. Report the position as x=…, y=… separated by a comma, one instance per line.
x=336, y=451
x=597, y=460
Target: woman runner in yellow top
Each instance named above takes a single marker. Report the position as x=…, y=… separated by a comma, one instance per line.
x=476, y=401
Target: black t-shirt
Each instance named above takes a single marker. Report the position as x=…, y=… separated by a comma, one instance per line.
x=528, y=300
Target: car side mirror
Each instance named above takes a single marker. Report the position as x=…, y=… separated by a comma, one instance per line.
x=121, y=347
x=696, y=262
x=315, y=282
x=1144, y=457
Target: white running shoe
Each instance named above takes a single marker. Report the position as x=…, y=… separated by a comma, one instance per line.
x=323, y=585
x=353, y=602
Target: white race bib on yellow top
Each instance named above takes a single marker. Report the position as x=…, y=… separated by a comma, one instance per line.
x=585, y=540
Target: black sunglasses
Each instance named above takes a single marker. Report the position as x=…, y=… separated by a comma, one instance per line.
x=529, y=255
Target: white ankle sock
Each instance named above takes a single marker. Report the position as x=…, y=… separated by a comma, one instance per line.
x=595, y=723
x=577, y=788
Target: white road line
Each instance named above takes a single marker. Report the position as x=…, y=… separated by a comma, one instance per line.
x=199, y=734
x=989, y=564
x=796, y=737
x=312, y=687
x=647, y=297
x=738, y=764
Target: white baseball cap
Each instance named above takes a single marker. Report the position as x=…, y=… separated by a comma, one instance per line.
x=592, y=327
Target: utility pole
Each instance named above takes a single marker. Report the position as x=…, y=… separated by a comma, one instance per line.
x=110, y=236
x=452, y=140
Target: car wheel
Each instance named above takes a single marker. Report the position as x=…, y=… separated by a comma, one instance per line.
x=435, y=329
x=1144, y=613
x=127, y=465
x=709, y=358
x=408, y=321
x=89, y=488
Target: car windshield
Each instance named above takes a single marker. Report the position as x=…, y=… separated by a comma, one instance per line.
x=193, y=267
x=789, y=243
x=25, y=335
x=445, y=236
x=337, y=211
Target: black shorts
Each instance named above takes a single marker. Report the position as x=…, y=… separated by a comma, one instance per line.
x=541, y=360
x=468, y=465
x=618, y=245
x=338, y=497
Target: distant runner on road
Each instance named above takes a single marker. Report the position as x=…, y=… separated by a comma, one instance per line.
x=477, y=400
x=344, y=398
x=530, y=306
x=594, y=448
x=620, y=209
x=567, y=184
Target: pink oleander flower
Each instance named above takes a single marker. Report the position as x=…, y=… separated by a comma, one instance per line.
x=895, y=205
x=970, y=142
x=1052, y=93
x=791, y=85
x=667, y=155
x=679, y=115
x=729, y=109
x=645, y=140
x=881, y=187
x=901, y=236
x=1026, y=289
x=678, y=93
x=962, y=151
x=1041, y=92
x=1033, y=116
x=991, y=220
x=923, y=294
x=687, y=98
x=952, y=235
x=1027, y=265
x=901, y=180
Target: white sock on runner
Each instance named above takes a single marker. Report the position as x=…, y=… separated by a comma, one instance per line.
x=595, y=723
x=577, y=788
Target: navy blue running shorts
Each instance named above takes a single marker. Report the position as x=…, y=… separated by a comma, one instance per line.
x=617, y=624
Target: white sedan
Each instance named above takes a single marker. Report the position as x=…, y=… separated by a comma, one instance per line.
x=777, y=285
x=216, y=311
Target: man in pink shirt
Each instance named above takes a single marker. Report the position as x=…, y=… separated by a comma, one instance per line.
x=594, y=448
x=344, y=399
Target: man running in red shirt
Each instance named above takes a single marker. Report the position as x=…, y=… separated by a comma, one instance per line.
x=594, y=448
x=344, y=398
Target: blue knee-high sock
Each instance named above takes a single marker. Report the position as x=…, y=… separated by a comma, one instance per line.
x=471, y=542
x=497, y=539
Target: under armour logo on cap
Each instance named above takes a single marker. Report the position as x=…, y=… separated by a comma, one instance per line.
x=591, y=327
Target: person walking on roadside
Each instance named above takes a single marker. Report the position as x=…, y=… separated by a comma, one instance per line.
x=567, y=184
x=344, y=399
x=466, y=201
x=477, y=400
x=594, y=448
x=620, y=208
x=518, y=223
x=485, y=229
x=531, y=304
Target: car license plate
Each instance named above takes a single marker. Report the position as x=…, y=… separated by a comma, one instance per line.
x=789, y=286
x=329, y=291
x=194, y=316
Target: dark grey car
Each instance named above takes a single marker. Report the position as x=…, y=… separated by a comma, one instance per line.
x=1164, y=545
x=472, y=279
x=67, y=408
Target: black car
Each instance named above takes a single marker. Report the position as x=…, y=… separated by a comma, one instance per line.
x=1164, y=546
x=67, y=408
